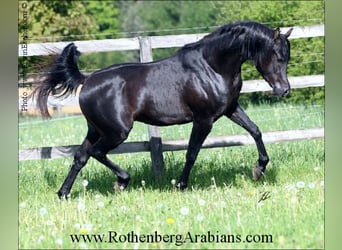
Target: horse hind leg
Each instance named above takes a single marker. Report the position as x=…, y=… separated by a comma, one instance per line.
x=100, y=149
x=80, y=159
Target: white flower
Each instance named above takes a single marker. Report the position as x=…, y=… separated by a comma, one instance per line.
x=83, y=245
x=289, y=187
x=23, y=204
x=80, y=206
x=138, y=218
x=85, y=183
x=43, y=211
x=173, y=182
x=199, y=217
x=201, y=202
x=97, y=197
x=312, y=185
x=184, y=211
x=88, y=227
x=59, y=242
x=77, y=226
x=49, y=223
x=300, y=184
x=40, y=239
x=294, y=200
x=100, y=204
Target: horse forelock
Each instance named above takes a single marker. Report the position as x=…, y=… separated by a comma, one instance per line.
x=258, y=41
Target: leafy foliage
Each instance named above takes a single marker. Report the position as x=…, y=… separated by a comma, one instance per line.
x=151, y=18
x=56, y=21
x=105, y=14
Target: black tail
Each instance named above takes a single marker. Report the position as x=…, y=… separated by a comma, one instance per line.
x=62, y=78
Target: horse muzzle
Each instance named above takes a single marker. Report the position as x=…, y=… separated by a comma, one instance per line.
x=282, y=92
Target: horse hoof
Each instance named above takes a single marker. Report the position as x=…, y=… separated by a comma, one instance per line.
x=182, y=186
x=257, y=173
x=63, y=195
x=121, y=183
x=118, y=186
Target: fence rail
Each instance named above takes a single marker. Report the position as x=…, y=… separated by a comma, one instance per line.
x=247, y=87
x=175, y=145
x=106, y=45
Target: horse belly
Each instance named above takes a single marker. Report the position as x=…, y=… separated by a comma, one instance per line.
x=164, y=109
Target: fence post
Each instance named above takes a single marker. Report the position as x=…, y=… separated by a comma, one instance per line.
x=153, y=131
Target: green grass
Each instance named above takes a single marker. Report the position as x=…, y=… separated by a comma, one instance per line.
x=222, y=198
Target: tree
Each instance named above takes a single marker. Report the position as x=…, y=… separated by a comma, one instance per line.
x=50, y=21
x=56, y=21
x=106, y=16
x=151, y=18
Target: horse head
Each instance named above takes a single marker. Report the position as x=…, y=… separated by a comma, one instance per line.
x=273, y=68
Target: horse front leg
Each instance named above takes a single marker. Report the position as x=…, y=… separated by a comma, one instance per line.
x=241, y=118
x=200, y=131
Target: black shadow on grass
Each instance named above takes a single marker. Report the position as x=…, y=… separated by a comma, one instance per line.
x=50, y=178
x=224, y=173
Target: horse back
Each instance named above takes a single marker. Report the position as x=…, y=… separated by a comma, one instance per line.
x=175, y=90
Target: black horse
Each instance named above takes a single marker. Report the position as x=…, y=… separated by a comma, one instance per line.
x=199, y=83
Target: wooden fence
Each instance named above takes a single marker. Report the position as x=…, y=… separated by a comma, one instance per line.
x=151, y=42
x=155, y=145
x=175, y=145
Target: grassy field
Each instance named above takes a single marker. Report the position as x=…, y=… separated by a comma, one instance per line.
x=223, y=208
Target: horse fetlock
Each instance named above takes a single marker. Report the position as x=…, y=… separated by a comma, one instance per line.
x=263, y=161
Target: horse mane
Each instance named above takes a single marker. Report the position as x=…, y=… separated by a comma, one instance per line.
x=253, y=35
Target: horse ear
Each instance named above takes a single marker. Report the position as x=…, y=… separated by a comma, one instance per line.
x=288, y=33
x=276, y=33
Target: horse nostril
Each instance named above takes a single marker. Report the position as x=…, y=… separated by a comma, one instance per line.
x=286, y=92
